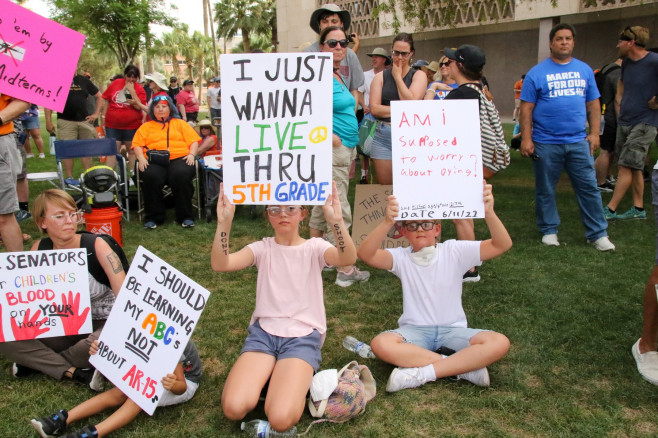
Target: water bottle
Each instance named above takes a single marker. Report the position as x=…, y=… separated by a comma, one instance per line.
x=262, y=429
x=602, y=119
x=360, y=348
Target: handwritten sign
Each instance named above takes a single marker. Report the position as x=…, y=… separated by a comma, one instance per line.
x=38, y=57
x=369, y=211
x=437, y=159
x=44, y=294
x=150, y=324
x=277, y=127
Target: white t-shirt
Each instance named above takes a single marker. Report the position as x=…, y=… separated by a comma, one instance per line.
x=368, y=76
x=432, y=295
x=212, y=93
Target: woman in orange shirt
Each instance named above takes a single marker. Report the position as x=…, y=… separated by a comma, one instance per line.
x=162, y=134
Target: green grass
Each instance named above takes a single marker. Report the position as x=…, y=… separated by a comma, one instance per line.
x=571, y=313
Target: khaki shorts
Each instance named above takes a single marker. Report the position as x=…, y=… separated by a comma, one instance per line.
x=69, y=130
x=632, y=144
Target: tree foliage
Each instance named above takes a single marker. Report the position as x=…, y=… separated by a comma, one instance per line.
x=246, y=17
x=118, y=25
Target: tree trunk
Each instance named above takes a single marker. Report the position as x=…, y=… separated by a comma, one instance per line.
x=200, y=81
x=214, y=42
x=205, y=16
x=245, y=40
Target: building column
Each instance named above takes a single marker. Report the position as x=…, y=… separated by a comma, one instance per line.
x=545, y=26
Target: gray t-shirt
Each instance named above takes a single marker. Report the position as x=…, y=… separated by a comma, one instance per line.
x=191, y=363
x=350, y=67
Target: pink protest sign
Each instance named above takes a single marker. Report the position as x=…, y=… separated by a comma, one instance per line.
x=38, y=57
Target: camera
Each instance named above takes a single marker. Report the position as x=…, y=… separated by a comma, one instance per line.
x=350, y=37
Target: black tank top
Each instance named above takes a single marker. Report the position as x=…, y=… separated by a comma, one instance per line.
x=390, y=89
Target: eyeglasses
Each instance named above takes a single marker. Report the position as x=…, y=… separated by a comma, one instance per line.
x=413, y=226
x=290, y=210
x=445, y=64
x=60, y=219
x=333, y=43
x=398, y=53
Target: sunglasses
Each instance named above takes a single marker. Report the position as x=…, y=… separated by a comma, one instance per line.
x=413, y=226
x=290, y=210
x=445, y=64
x=160, y=98
x=398, y=53
x=333, y=43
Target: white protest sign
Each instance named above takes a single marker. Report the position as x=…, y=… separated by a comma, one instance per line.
x=44, y=294
x=149, y=326
x=437, y=159
x=277, y=127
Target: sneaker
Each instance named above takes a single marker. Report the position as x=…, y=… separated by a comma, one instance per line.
x=476, y=377
x=609, y=214
x=20, y=371
x=550, y=240
x=471, y=276
x=611, y=180
x=602, y=244
x=22, y=215
x=363, y=180
x=606, y=187
x=51, y=426
x=150, y=225
x=85, y=432
x=29, y=155
x=647, y=363
x=42, y=155
x=72, y=182
x=90, y=377
x=187, y=223
x=633, y=213
x=344, y=279
x=405, y=378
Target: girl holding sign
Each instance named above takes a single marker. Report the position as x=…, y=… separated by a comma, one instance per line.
x=288, y=326
x=56, y=214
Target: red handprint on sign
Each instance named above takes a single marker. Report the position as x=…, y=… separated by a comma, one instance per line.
x=73, y=321
x=30, y=328
x=2, y=335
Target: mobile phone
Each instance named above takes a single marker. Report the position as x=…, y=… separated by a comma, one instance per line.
x=128, y=95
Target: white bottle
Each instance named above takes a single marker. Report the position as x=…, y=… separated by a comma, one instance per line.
x=360, y=348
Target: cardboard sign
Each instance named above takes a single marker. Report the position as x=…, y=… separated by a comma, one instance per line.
x=150, y=324
x=44, y=294
x=369, y=210
x=38, y=57
x=277, y=127
x=437, y=159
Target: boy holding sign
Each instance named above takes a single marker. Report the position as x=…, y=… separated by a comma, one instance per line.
x=180, y=387
x=433, y=318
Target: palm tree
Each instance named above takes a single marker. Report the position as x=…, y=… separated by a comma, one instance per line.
x=245, y=16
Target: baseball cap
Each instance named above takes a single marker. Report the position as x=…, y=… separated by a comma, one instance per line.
x=188, y=82
x=420, y=63
x=173, y=79
x=471, y=57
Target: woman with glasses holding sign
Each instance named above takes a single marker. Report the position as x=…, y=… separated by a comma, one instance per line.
x=400, y=82
x=57, y=216
x=345, y=138
x=166, y=148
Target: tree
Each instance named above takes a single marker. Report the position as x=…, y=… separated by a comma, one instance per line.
x=245, y=17
x=119, y=25
x=258, y=42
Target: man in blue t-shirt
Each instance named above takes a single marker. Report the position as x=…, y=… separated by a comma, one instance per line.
x=637, y=123
x=558, y=97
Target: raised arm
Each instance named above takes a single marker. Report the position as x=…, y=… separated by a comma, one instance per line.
x=500, y=241
x=344, y=253
x=370, y=251
x=221, y=259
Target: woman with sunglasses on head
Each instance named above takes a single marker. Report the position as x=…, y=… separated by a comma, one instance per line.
x=439, y=89
x=400, y=82
x=166, y=148
x=122, y=112
x=67, y=357
x=345, y=138
x=288, y=325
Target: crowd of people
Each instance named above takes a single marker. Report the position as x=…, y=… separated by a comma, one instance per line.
x=154, y=126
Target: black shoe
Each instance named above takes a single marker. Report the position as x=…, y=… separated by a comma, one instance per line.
x=85, y=432
x=471, y=276
x=51, y=426
x=363, y=180
x=90, y=377
x=606, y=187
x=19, y=371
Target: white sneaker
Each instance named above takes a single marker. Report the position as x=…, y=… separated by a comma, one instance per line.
x=344, y=279
x=404, y=378
x=647, y=363
x=602, y=244
x=476, y=377
x=42, y=155
x=550, y=240
x=29, y=155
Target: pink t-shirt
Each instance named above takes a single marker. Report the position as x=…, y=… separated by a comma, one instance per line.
x=289, y=294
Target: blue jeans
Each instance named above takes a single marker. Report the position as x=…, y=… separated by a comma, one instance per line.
x=576, y=159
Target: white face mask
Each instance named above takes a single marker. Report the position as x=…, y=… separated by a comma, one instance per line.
x=425, y=256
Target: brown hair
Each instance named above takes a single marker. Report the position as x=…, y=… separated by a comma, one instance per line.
x=55, y=197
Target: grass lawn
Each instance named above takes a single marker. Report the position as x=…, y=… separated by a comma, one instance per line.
x=571, y=313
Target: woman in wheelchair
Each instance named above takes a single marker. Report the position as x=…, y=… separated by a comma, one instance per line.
x=166, y=148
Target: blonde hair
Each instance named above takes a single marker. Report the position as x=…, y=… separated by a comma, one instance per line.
x=55, y=197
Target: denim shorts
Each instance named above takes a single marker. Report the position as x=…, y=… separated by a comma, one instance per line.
x=431, y=337
x=381, y=142
x=306, y=348
x=32, y=122
x=632, y=144
x=120, y=134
